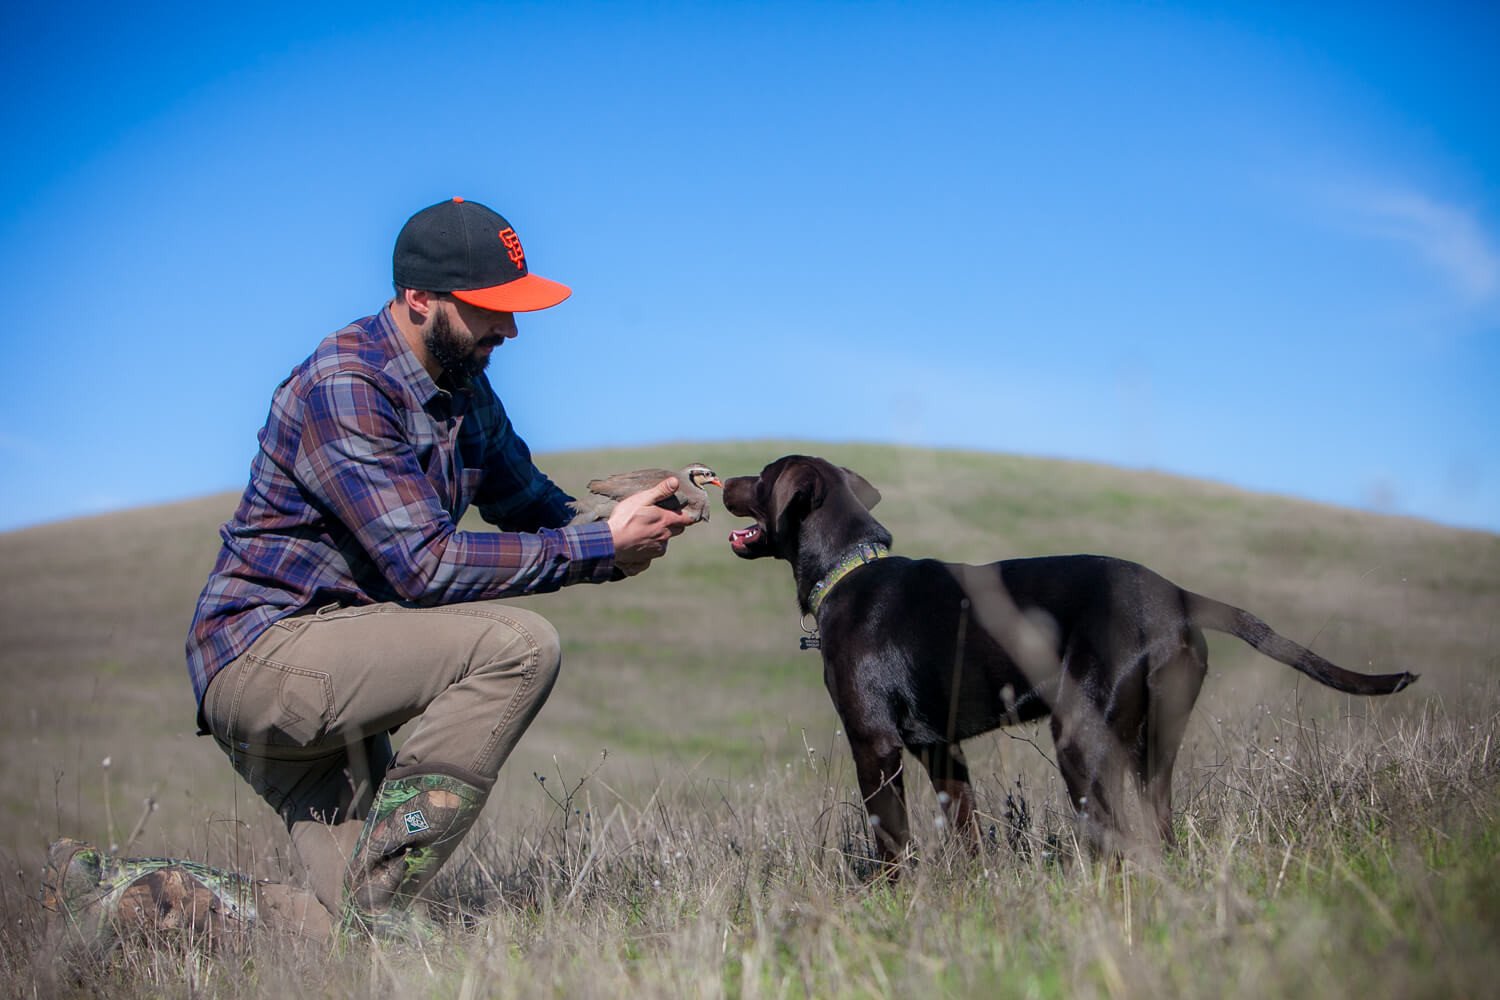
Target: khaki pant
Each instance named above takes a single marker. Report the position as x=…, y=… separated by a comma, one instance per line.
x=304, y=714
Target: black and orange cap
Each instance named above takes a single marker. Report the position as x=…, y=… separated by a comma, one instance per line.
x=469, y=250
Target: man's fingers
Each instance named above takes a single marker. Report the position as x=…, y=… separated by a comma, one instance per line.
x=642, y=528
x=663, y=489
x=650, y=497
x=671, y=525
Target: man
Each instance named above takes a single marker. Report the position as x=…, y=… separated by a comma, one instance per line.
x=345, y=602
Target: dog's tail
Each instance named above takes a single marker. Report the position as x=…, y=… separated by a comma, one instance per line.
x=1209, y=613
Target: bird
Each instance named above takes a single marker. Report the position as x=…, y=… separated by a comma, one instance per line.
x=604, y=493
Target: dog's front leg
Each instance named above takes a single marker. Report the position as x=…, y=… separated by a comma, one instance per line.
x=950, y=779
x=878, y=764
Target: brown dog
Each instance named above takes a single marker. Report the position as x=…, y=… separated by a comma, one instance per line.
x=924, y=654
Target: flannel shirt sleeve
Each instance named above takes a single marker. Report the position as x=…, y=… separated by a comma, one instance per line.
x=514, y=494
x=355, y=458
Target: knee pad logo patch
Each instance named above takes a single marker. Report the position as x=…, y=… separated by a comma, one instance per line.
x=415, y=822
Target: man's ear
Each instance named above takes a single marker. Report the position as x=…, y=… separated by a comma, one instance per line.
x=867, y=494
x=419, y=304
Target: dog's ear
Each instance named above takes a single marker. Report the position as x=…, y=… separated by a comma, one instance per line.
x=797, y=490
x=867, y=494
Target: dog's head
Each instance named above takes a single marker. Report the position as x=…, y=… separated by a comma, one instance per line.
x=794, y=493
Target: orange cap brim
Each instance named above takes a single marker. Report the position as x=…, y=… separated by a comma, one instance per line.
x=527, y=293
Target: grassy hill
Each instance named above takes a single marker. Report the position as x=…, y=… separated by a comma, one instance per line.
x=688, y=679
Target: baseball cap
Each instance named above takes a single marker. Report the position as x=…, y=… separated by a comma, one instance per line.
x=469, y=250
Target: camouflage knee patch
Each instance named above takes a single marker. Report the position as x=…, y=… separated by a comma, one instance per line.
x=414, y=826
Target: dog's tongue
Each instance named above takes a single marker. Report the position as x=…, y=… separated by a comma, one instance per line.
x=743, y=536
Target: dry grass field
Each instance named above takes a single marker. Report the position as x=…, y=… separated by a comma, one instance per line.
x=683, y=821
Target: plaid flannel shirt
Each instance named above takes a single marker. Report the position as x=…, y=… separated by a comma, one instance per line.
x=365, y=467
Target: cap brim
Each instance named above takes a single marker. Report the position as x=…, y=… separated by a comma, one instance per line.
x=527, y=293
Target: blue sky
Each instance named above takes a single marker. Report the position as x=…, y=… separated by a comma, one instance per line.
x=1245, y=243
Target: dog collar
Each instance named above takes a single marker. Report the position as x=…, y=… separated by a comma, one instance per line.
x=864, y=552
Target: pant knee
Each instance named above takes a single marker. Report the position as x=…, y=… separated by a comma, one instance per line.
x=548, y=645
x=510, y=662
x=549, y=648
x=527, y=671
x=526, y=635
x=548, y=658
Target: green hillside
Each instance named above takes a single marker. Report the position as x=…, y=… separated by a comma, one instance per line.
x=687, y=681
x=695, y=664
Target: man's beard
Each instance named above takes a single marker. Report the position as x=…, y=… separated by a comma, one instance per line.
x=456, y=356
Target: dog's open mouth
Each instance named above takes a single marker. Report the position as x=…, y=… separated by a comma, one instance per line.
x=740, y=538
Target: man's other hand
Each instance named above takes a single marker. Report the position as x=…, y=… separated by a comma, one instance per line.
x=641, y=529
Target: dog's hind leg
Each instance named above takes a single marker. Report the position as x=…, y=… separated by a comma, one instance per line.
x=1172, y=688
x=878, y=765
x=949, y=772
x=1090, y=753
x=1092, y=768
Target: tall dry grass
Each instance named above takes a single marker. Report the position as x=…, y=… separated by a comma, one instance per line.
x=1351, y=860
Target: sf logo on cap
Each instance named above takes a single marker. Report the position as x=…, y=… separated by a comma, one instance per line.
x=513, y=247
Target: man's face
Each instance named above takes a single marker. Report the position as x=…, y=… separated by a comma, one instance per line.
x=460, y=337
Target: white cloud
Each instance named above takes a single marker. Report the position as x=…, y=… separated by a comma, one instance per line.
x=1446, y=236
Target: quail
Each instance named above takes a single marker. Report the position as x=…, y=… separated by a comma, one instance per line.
x=691, y=496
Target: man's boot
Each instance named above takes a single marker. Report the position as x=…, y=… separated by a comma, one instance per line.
x=415, y=824
x=98, y=899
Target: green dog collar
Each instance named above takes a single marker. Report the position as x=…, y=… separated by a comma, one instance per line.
x=864, y=552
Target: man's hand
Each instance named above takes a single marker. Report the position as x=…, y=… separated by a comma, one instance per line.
x=641, y=529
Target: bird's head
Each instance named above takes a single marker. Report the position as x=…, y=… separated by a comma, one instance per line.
x=701, y=475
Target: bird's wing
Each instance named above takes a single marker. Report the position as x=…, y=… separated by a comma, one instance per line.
x=623, y=484
x=591, y=507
